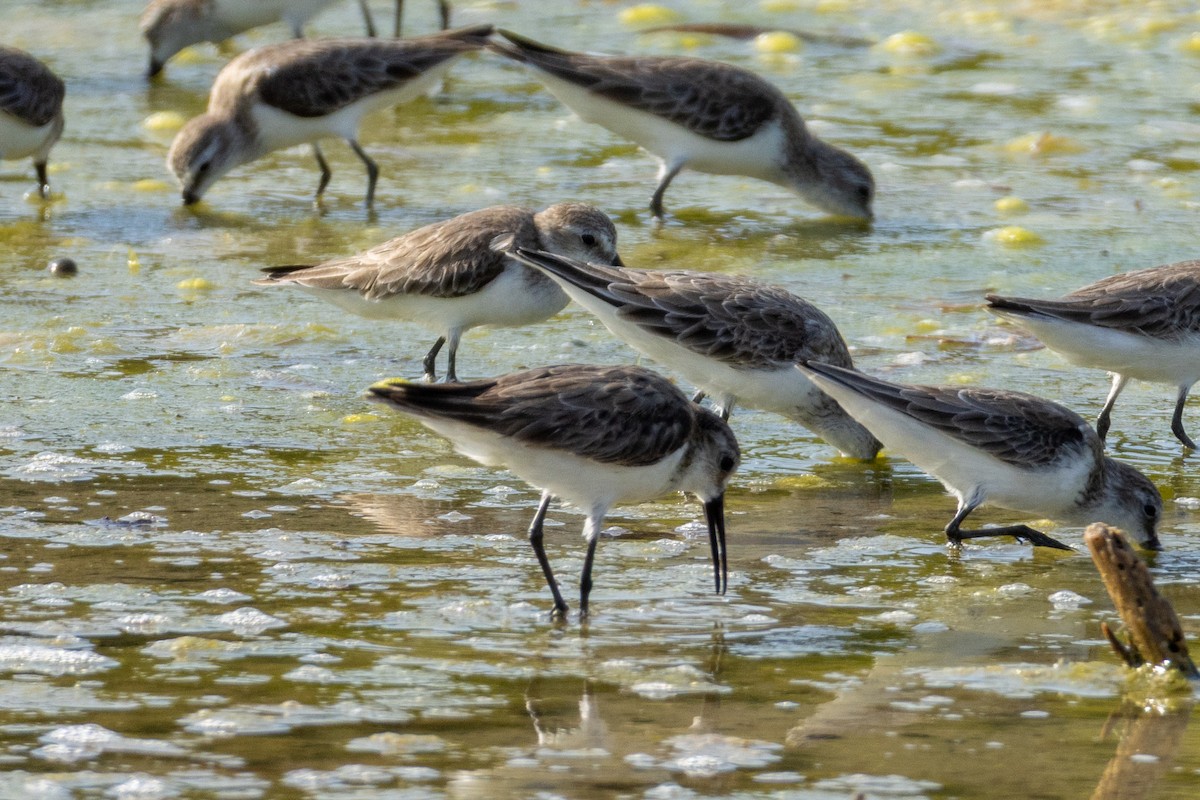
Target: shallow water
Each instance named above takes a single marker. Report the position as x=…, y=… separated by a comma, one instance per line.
x=224, y=574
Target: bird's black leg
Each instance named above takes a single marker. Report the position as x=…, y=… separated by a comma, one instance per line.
x=1019, y=532
x=452, y=358
x=43, y=184
x=370, y=22
x=665, y=176
x=535, y=539
x=698, y=396
x=430, y=361
x=399, y=16
x=1177, y=420
x=326, y=174
x=585, y=579
x=372, y=171
x=444, y=13
x=1104, y=420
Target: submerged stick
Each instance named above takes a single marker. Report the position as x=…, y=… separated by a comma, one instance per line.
x=1155, y=635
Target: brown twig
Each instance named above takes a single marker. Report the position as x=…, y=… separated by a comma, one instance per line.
x=1155, y=634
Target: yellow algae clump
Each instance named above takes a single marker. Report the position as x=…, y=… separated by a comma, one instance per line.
x=151, y=185
x=1172, y=188
x=387, y=383
x=909, y=43
x=189, y=55
x=164, y=121
x=1191, y=44
x=355, y=419
x=133, y=263
x=927, y=326
x=195, y=285
x=777, y=42
x=1014, y=236
x=692, y=41
x=780, y=6
x=1041, y=143
x=649, y=14
x=1011, y=205
x=802, y=482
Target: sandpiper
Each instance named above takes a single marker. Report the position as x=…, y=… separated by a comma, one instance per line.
x=303, y=90
x=447, y=277
x=734, y=338
x=591, y=436
x=171, y=25
x=1143, y=324
x=704, y=115
x=31, y=113
x=1003, y=448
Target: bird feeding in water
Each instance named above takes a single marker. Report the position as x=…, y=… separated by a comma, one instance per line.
x=1003, y=448
x=703, y=115
x=304, y=90
x=589, y=435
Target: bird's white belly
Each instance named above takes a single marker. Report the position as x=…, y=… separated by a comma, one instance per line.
x=757, y=156
x=582, y=482
x=19, y=139
x=241, y=15
x=509, y=300
x=1132, y=355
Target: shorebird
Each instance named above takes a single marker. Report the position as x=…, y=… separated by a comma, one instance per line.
x=704, y=115
x=304, y=90
x=171, y=25
x=591, y=436
x=31, y=114
x=1003, y=448
x=447, y=277
x=1143, y=324
x=734, y=338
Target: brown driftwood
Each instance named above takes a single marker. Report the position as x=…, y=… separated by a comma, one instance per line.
x=1155, y=635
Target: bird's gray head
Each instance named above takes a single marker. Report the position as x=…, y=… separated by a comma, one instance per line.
x=579, y=231
x=205, y=149
x=715, y=457
x=836, y=181
x=1133, y=504
x=169, y=27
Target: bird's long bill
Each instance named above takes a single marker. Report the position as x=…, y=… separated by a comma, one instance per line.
x=714, y=513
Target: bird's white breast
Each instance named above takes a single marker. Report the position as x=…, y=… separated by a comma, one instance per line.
x=19, y=139
x=1133, y=355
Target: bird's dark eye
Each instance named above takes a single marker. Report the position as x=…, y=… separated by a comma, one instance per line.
x=1151, y=510
x=203, y=168
x=727, y=463
x=588, y=239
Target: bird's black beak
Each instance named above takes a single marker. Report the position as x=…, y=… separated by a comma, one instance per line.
x=190, y=198
x=714, y=514
x=1152, y=542
x=154, y=68
x=617, y=262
